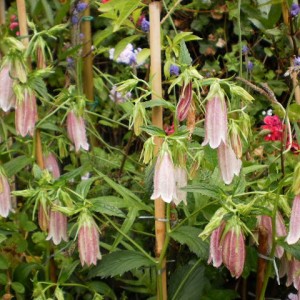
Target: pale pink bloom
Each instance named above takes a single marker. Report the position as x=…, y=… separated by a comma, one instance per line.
x=164, y=179
x=266, y=222
x=51, y=165
x=43, y=217
x=76, y=131
x=88, y=243
x=5, y=199
x=215, y=248
x=7, y=99
x=229, y=164
x=233, y=251
x=57, y=227
x=26, y=114
x=293, y=296
x=215, y=122
x=293, y=275
x=294, y=230
x=181, y=182
x=184, y=102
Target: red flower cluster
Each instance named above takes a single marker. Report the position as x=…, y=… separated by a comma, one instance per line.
x=274, y=125
x=105, y=1
x=14, y=24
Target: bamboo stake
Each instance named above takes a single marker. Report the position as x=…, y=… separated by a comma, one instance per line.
x=2, y=12
x=88, y=84
x=157, y=120
x=22, y=16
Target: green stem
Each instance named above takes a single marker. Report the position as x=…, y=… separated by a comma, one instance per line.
x=240, y=38
x=170, y=18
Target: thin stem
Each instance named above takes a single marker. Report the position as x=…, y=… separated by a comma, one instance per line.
x=169, y=15
x=240, y=38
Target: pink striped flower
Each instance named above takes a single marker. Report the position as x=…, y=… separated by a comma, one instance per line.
x=57, y=226
x=181, y=182
x=215, y=249
x=228, y=163
x=233, y=251
x=266, y=222
x=76, y=131
x=294, y=230
x=215, y=122
x=7, y=99
x=26, y=114
x=184, y=102
x=88, y=241
x=5, y=199
x=51, y=164
x=164, y=179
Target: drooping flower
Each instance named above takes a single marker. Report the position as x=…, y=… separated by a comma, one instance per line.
x=294, y=230
x=76, y=131
x=51, y=164
x=184, y=102
x=164, y=179
x=5, y=199
x=88, y=241
x=181, y=182
x=7, y=99
x=266, y=222
x=233, y=251
x=229, y=164
x=26, y=113
x=57, y=226
x=215, y=122
x=215, y=249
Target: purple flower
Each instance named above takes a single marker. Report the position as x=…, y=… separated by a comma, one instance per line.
x=295, y=9
x=118, y=97
x=81, y=6
x=74, y=19
x=297, y=61
x=250, y=66
x=127, y=56
x=174, y=70
x=145, y=25
x=245, y=49
x=70, y=62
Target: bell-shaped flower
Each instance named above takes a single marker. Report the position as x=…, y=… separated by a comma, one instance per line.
x=7, y=99
x=76, y=131
x=266, y=222
x=184, y=102
x=181, y=182
x=43, y=217
x=57, y=226
x=215, y=122
x=51, y=165
x=88, y=241
x=233, y=251
x=5, y=199
x=26, y=113
x=164, y=178
x=215, y=249
x=228, y=163
x=294, y=230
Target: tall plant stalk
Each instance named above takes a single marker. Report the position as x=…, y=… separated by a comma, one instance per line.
x=157, y=115
x=2, y=12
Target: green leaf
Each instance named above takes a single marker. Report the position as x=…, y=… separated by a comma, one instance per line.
x=122, y=44
x=292, y=249
x=190, y=236
x=184, y=57
x=154, y=131
x=66, y=271
x=102, y=288
x=205, y=189
x=3, y=279
x=59, y=295
x=48, y=11
x=15, y=165
x=142, y=56
x=107, y=209
x=187, y=280
x=2, y=238
x=159, y=102
x=119, y=262
x=4, y=263
x=84, y=186
x=18, y=287
x=102, y=35
x=294, y=112
x=254, y=168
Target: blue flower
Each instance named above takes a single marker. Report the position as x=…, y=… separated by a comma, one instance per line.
x=81, y=6
x=245, y=49
x=145, y=25
x=250, y=66
x=295, y=9
x=74, y=19
x=297, y=61
x=174, y=70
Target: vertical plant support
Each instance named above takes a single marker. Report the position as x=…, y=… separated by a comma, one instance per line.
x=157, y=120
x=88, y=84
x=22, y=16
x=2, y=12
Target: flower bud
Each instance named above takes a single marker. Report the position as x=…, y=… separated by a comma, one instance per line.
x=215, y=249
x=184, y=102
x=236, y=143
x=5, y=198
x=51, y=164
x=7, y=99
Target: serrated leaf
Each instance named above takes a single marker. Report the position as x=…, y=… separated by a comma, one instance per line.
x=15, y=165
x=184, y=57
x=107, y=209
x=18, y=287
x=190, y=236
x=119, y=262
x=84, y=186
x=205, y=189
x=154, y=131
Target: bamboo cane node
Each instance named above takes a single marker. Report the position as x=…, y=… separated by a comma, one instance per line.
x=274, y=264
x=87, y=18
